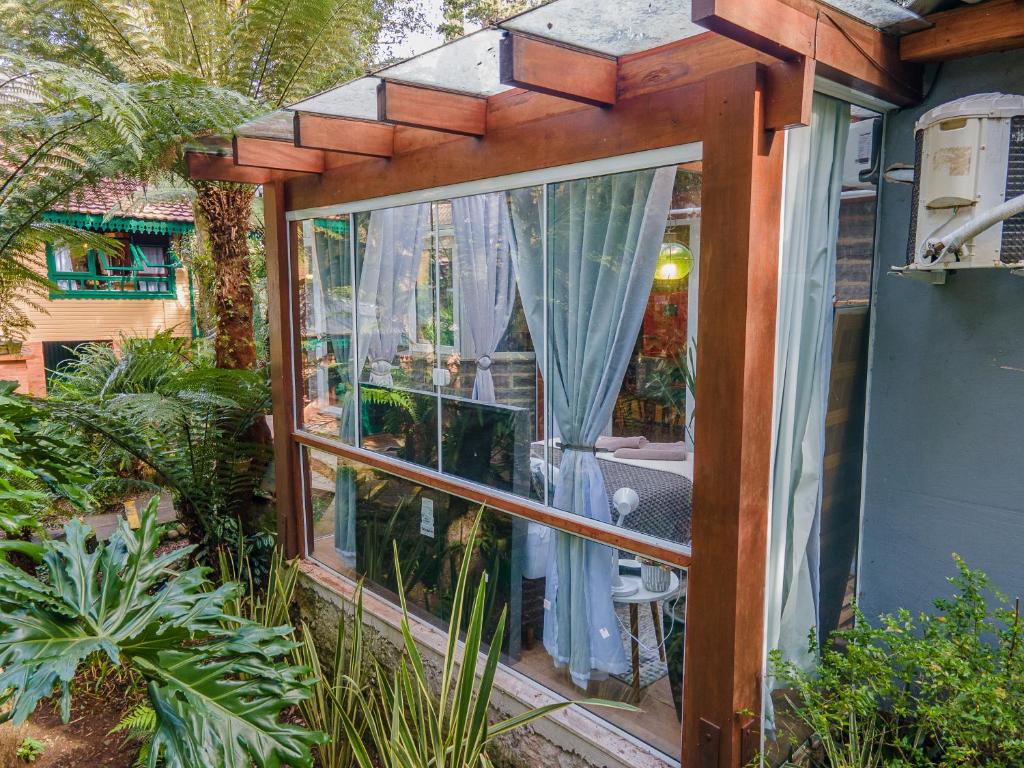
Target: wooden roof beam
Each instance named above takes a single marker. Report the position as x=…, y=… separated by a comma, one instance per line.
x=278, y=155
x=437, y=110
x=557, y=70
x=210, y=167
x=847, y=51
x=998, y=25
x=344, y=134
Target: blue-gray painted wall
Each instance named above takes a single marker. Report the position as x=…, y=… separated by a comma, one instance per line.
x=945, y=443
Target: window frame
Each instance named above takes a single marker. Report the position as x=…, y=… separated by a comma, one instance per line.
x=668, y=552
x=95, y=261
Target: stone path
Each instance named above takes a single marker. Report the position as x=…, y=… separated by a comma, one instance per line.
x=105, y=525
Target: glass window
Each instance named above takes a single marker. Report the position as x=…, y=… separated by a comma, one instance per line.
x=144, y=268
x=643, y=629
x=539, y=341
x=324, y=266
x=463, y=304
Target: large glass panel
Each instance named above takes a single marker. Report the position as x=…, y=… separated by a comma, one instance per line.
x=397, y=332
x=489, y=398
x=324, y=269
x=645, y=625
x=612, y=276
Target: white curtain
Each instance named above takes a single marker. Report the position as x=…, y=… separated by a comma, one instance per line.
x=387, y=284
x=604, y=236
x=332, y=319
x=154, y=255
x=813, y=173
x=62, y=263
x=486, y=287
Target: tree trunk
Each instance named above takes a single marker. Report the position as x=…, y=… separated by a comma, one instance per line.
x=225, y=210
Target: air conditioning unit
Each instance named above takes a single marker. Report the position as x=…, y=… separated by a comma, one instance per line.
x=968, y=200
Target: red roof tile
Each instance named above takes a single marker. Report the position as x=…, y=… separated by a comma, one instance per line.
x=115, y=196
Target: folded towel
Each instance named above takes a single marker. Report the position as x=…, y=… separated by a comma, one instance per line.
x=680, y=445
x=652, y=454
x=609, y=443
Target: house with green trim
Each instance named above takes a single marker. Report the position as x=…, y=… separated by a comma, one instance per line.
x=103, y=297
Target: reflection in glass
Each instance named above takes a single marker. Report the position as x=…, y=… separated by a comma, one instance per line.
x=430, y=528
x=325, y=261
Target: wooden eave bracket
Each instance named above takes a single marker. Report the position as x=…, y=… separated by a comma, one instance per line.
x=344, y=134
x=558, y=70
x=845, y=50
x=434, y=109
x=789, y=93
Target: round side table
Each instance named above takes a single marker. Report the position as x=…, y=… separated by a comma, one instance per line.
x=641, y=596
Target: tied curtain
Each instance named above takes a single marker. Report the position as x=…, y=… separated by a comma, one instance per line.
x=330, y=262
x=387, y=284
x=603, y=237
x=813, y=173
x=483, y=272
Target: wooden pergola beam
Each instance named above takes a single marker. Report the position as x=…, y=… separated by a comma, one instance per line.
x=279, y=155
x=847, y=51
x=437, y=110
x=546, y=67
x=768, y=26
x=542, y=142
x=997, y=25
x=208, y=167
x=343, y=134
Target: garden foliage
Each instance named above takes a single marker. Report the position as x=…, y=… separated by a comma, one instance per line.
x=217, y=683
x=940, y=689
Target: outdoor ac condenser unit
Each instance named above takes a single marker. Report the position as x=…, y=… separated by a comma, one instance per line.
x=968, y=200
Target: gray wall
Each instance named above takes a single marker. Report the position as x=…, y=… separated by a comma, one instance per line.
x=945, y=441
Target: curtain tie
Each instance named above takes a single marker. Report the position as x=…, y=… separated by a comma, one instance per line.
x=484, y=362
x=579, y=448
x=381, y=367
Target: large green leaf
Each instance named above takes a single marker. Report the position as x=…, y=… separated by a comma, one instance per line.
x=217, y=682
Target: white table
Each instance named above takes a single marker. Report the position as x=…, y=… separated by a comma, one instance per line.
x=643, y=595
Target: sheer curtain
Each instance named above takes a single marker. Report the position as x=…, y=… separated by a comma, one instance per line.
x=330, y=262
x=486, y=287
x=154, y=255
x=604, y=236
x=814, y=170
x=387, y=284
x=62, y=263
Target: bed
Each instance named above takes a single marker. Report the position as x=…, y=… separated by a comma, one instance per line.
x=665, y=489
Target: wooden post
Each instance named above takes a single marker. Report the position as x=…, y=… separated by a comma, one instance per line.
x=281, y=312
x=735, y=356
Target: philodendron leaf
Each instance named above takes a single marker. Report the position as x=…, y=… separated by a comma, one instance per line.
x=219, y=704
x=218, y=683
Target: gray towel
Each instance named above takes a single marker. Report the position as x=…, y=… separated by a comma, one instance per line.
x=679, y=445
x=664, y=453
x=609, y=443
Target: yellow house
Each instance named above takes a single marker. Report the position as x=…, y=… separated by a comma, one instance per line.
x=99, y=297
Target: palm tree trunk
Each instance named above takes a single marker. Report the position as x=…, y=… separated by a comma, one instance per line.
x=224, y=211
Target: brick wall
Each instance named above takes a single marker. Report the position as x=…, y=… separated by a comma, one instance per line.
x=27, y=369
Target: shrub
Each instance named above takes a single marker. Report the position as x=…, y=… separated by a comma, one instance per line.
x=942, y=689
x=41, y=464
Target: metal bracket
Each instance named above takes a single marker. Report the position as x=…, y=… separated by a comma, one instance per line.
x=750, y=741
x=709, y=741
x=930, y=276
